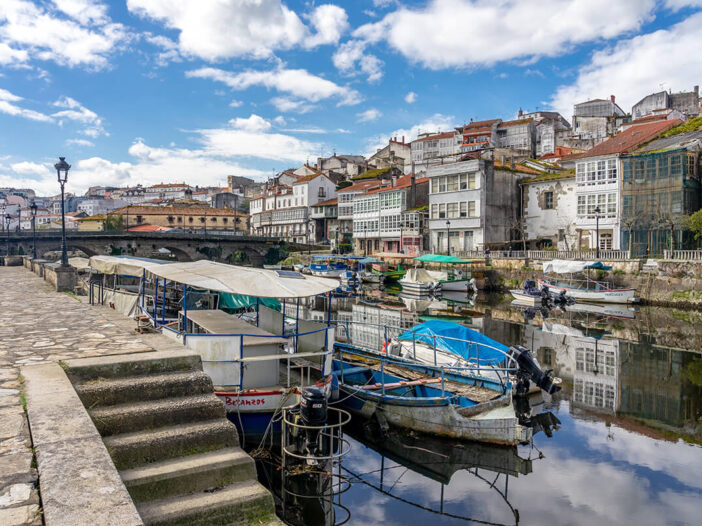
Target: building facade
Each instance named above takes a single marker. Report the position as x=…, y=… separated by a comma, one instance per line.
x=435, y=148
x=193, y=218
x=549, y=206
x=597, y=119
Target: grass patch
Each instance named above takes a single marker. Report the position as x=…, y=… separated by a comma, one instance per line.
x=617, y=271
x=73, y=295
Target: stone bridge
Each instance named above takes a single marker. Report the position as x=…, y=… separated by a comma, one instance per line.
x=184, y=246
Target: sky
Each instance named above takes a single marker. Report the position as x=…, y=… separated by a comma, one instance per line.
x=151, y=91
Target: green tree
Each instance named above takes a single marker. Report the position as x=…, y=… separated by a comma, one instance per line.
x=114, y=223
x=694, y=223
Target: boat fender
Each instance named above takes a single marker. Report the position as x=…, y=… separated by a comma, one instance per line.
x=394, y=347
x=458, y=274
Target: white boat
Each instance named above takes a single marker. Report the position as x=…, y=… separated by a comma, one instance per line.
x=523, y=297
x=585, y=290
x=258, y=363
x=420, y=281
x=452, y=279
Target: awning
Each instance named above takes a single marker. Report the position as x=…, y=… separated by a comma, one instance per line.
x=392, y=255
x=79, y=263
x=123, y=265
x=565, y=266
x=248, y=281
x=440, y=258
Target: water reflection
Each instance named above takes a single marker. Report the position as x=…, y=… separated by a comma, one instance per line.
x=627, y=450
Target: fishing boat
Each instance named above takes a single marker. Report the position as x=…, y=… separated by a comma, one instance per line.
x=349, y=279
x=430, y=400
x=365, y=271
x=583, y=288
x=462, y=350
x=333, y=266
x=258, y=360
x=530, y=294
x=451, y=278
x=390, y=273
x=421, y=282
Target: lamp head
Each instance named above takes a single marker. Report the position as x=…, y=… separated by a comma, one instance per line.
x=62, y=168
x=33, y=207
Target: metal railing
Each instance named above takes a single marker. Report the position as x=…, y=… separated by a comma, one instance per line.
x=607, y=255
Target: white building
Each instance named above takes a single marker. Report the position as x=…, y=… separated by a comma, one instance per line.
x=549, y=205
x=166, y=191
x=435, y=148
x=597, y=119
x=472, y=204
x=284, y=211
x=345, y=207
x=100, y=206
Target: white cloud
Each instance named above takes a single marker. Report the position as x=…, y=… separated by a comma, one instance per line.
x=71, y=32
x=220, y=29
x=351, y=59
x=287, y=104
x=280, y=120
x=235, y=104
x=169, y=49
x=330, y=23
x=79, y=142
x=626, y=70
x=254, y=123
x=75, y=111
x=435, y=123
x=411, y=97
x=29, y=168
x=370, y=114
x=311, y=129
x=10, y=55
x=7, y=106
x=297, y=82
x=676, y=5
x=482, y=32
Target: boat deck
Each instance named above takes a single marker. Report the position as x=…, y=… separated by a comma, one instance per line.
x=219, y=322
x=471, y=392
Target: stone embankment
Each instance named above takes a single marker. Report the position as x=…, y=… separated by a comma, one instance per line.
x=657, y=282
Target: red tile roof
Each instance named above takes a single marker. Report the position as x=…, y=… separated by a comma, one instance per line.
x=480, y=124
x=444, y=135
x=148, y=228
x=514, y=123
x=402, y=182
x=629, y=139
x=329, y=202
x=359, y=187
x=517, y=167
x=175, y=210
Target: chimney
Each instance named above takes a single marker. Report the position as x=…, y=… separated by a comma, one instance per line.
x=394, y=180
x=413, y=190
x=520, y=113
x=611, y=97
x=403, y=139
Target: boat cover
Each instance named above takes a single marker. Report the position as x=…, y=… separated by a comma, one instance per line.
x=247, y=281
x=420, y=275
x=442, y=330
x=565, y=266
x=123, y=265
x=440, y=258
x=233, y=302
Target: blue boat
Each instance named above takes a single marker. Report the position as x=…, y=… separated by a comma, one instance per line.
x=332, y=266
x=429, y=399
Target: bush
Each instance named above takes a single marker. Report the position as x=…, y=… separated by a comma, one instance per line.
x=344, y=248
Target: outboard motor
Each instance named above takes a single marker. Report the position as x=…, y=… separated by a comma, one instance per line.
x=529, y=370
x=313, y=412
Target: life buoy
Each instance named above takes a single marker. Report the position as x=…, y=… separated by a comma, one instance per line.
x=385, y=347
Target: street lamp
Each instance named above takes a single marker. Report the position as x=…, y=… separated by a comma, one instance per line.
x=33, y=207
x=8, y=218
x=448, y=237
x=597, y=235
x=62, y=168
x=402, y=224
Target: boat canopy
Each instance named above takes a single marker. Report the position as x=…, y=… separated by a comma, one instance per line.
x=79, y=263
x=456, y=339
x=440, y=258
x=392, y=255
x=234, y=302
x=247, y=281
x=124, y=265
x=366, y=261
x=334, y=256
x=565, y=266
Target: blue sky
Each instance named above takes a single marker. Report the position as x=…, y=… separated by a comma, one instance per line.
x=148, y=91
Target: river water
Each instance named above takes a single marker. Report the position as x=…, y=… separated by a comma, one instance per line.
x=623, y=445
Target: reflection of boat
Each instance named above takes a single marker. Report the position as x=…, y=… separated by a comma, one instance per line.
x=613, y=310
x=437, y=457
x=584, y=289
x=430, y=400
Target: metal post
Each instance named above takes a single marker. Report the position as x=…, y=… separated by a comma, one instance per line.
x=297, y=322
x=257, y=312
x=414, y=347
x=448, y=238
x=597, y=235
x=163, y=303
x=434, y=340
x=185, y=310
x=282, y=311
x=143, y=286
x=241, y=362
x=34, y=230
x=64, y=254
x=329, y=308
x=156, y=303
x=442, y=382
x=382, y=376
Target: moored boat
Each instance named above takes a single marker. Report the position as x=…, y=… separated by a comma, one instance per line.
x=584, y=289
x=431, y=401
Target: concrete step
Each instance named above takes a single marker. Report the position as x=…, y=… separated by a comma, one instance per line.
x=138, y=388
x=135, y=364
x=237, y=504
x=189, y=474
x=150, y=414
x=129, y=450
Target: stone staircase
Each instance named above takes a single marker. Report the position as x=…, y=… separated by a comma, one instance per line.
x=168, y=435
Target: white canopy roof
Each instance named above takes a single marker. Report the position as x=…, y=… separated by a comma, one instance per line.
x=79, y=263
x=565, y=266
x=248, y=281
x=121, y=265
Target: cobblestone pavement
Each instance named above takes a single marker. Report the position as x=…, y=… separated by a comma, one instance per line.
x=39, y=325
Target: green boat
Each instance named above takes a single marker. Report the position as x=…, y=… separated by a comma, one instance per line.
x=389, y=273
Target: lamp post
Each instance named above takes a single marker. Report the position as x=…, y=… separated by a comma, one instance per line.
x=402, y=224
x=448, y=237
x=8, y=218
x=62, y=168
x=597, y=234
x=33, y=207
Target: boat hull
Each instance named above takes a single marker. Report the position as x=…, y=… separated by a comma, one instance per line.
x=496, y=426
x=460, y=285
x=594, y=296
x=525, y=298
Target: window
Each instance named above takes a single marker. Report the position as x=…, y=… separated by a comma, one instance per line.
x=322, y=192
x=471, y=209
x=548, y=200
x=434, y=211
x=442, y=211
x=225, y=220
x=180, y=220
x=442, y=184
x=452, y=210
x=435, y=185
x=171, y=219
x=463, y=210
x=190, y=220
x=612, y=204
x=213, y=220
